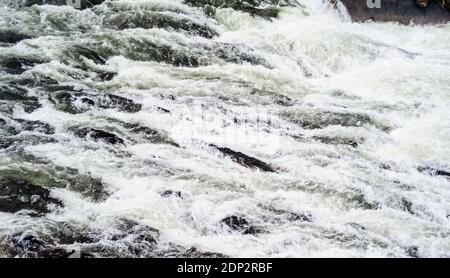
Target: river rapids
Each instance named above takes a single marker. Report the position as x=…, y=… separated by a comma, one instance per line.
x=170, y=128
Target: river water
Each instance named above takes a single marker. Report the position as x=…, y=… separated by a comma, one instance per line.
x=162, y=129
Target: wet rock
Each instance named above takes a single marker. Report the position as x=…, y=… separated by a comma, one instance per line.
x=412, y=252
x=31, y=246
x=263, y=8
x=24, y=242
x=150, y=134
x=55, y=253
x=118, y=102
x=163, y=110
x=18, y=97
x=357, y=226
x=150, y=19
x=75, y=102
x=99, y=135
x=84, y=4
x=360, y=200
x=291, y=216
x=64, y=101
x=434, y=171
x=245, y=160
x=312, y=119
x=36, y=126
x=106, y=75
x=337, y=141
x=237, y=53
x=80, y=51
x=17, y=65
x=179, y=252
x=5, y=143
x=171, y=193
x=14, y=93
x=238, y=224
x=407, y=206
x=17, y=194
x=12, y=37
x=127, y=238
x=402, y=11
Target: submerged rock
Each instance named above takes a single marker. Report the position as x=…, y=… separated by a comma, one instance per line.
x=75, y=102
x=171, y=193
x=17, y=65
x=118, y=102
x=434, y=171
x=245, y=160
x=12, y=37
x=17, y=195
x=84, y=4
x=36, y=126
x=150, y=19
x=99, y=135
x=263, y=8
x=13, y=95
x=179, y=252
x=312, y=119
x=402, y=11
x=238, y=224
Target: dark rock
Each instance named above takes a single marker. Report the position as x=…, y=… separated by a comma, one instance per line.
x=88, y=53
x=163, y=110
x=407, y=206
x=239, y=224
x=170, y=193
x=140, y=233
x=317, y=119
x=16, y=95
x=179, y=252
x=11, y=37
x=360, y=200
x=412, y=251
x=55, y=253
x=84, y=4
x=237, y=53
x=69, y=102
x=434, y=171
x=26, y=242
x=290, y=216
x=245, y=160
x=5, y=143
x=263, y=8
x=118, y=102
x=36, y=126
x=106, y=75
x=357, y=226
x=17, y=65
x=66, y=101
x=17, y=194
x=337, y=141
x=88, y=101
x=150, y=19
x=402, y=11
x=151, y=135
x=126, y=238
x=99, y=135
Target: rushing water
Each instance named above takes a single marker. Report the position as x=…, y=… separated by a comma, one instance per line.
x=163, y=128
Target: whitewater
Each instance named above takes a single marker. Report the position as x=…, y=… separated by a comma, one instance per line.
x=161, y=128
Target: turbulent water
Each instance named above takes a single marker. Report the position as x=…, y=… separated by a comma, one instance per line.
x=163, y=128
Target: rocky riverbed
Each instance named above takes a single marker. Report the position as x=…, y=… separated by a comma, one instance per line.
x=216, y=128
